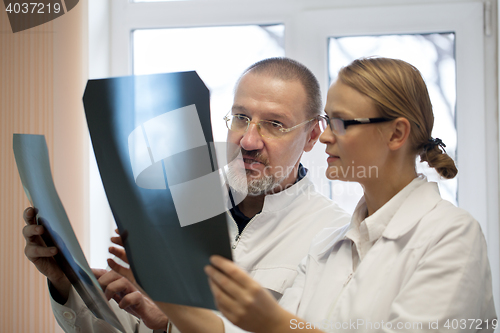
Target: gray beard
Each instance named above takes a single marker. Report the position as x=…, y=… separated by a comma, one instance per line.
x=238, y=181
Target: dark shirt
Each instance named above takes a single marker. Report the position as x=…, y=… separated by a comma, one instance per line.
x=242, y=220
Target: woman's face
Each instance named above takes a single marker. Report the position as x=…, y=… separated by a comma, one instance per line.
x=359, y=154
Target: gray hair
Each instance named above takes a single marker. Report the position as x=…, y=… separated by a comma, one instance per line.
x=288, y=69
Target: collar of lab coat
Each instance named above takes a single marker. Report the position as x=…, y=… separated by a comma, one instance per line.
x=423, y=199
x=283, y=199
x=418, y=203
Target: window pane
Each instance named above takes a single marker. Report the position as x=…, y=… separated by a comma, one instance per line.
x=434, y=56
x=218, y=54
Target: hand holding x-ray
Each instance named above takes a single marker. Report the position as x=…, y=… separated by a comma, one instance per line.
x=119, y=284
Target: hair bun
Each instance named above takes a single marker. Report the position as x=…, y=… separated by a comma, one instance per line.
x=434, y=154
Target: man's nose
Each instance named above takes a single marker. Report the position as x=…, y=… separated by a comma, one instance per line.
x=251, y=139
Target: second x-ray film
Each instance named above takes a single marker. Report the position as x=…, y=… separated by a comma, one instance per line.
x=32, y=159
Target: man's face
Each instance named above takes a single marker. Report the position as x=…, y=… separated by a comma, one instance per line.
x=270, y=163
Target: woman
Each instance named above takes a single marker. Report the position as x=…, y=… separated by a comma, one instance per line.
x=409, y=260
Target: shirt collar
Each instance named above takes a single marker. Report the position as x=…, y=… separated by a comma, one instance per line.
x=409, y=206
x=301, y=172
x=378, y=221
x=423, y=198
x=371, y=228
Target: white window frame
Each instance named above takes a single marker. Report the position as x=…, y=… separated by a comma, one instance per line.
x=309, y=22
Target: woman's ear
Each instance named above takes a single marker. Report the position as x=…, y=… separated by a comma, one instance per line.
x=312, y=137
x=401, y=128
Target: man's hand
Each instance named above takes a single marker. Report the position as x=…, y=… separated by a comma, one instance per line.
x=122, y=287
x=185, y=318
x=42, y=256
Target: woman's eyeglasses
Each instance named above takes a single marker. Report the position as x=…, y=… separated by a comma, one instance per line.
x=339, y=125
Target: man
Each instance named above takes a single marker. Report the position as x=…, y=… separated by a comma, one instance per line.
x=273, y=122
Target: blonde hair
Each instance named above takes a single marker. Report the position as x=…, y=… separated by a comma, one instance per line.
x=398, y=90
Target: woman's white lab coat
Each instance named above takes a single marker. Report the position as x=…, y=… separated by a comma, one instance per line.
x=428, y=272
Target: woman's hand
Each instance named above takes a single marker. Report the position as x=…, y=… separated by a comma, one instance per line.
x=242, y=300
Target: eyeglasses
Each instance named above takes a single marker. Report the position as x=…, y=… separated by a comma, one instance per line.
x=268, y=129
x=339, y=125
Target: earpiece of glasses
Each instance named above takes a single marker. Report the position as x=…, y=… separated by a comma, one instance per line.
x=339, y=125
x=268, y=129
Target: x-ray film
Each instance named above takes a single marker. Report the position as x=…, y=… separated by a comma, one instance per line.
x=152, y=139
x=32, y=161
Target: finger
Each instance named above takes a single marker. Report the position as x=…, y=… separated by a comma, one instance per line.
x=108, y=278
x=120, y=253
x=32, y=230
x=230, y=270
x=226, y=283
x=117, y=240
x=119, y=287
x=29, y=215
x=222, y=263
x=126, y=272
x=224, y=303
x=133, y=303
x=134, y=299
x=32, y=233
x=220, y=297
x=34, y=251
x=98, y=272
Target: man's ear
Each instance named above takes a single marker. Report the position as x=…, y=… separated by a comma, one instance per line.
x=401, y=128
x=312, y=137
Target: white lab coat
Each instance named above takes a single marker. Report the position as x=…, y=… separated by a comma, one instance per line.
x=269, y=249
x=429, y=270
